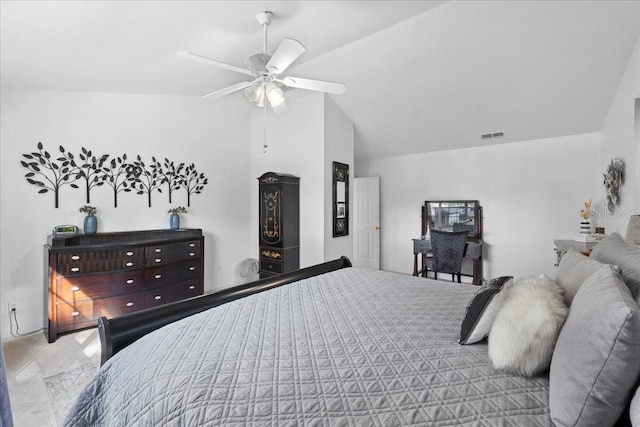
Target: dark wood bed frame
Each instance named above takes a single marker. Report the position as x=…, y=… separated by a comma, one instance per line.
x=118, y=332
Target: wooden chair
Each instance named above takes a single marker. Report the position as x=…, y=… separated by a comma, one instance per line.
x=448, y=251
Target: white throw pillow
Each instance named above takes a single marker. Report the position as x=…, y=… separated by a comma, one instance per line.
x=524, y=332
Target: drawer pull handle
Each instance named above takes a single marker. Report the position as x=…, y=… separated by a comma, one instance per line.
x=158, y=297
x=192, y=268
x=158, y=250
x=129, y=304
x=158, y=276
x=75, y=313
x=75, y=257
x=129, y=264
x=158, y=260
x=129, y=282
x=129, y=253
x=192, y=245
x=75, y=269
x=75, y=288
x=192, y=254
x=192, y=287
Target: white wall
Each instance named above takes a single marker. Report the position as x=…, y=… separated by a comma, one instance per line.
x=183, y=129
x=295, y=139
x=303, y=141
x=531, y=193
x=617, y=141
x=338, y=147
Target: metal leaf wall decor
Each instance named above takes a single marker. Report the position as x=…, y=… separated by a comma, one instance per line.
x=49, y=174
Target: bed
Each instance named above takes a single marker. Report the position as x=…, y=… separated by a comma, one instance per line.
x=328, y=345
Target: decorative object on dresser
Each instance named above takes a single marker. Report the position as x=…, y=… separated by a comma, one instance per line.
x=174, y=219
x=586, y=234
x=110, y=274
x=279, y=223
x=90, y=225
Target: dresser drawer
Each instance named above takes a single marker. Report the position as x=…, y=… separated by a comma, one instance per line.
x=165, y=275
x=179, y=291
x=72, y=263
x=271, y=267
x=99, y=285
x=76, y=313
x=172, y=252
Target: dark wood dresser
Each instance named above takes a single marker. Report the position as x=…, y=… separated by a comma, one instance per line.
x=279, y=223
x=111, y=274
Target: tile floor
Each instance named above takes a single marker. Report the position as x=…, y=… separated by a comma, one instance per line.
x=30, y=359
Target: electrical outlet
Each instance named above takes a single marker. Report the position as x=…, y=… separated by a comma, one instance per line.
x=13, y=306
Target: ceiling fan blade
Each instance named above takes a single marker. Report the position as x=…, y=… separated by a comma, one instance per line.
x=230, y=89
x=288, y=51
x=209, y=61
x=317, y=85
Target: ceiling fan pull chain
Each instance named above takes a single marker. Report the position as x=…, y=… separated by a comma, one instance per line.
x=264, y=130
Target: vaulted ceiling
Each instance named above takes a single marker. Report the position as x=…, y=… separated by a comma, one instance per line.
x=421, y=75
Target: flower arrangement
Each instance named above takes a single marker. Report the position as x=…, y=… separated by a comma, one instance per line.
x=585, y=213
x=178, y=210
x=89, y=210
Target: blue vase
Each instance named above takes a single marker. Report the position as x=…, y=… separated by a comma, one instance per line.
x=174, y=221
x=90, y=224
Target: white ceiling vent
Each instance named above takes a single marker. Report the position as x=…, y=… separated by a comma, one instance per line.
x=491, y=135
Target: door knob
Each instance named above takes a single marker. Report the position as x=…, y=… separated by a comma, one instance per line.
x=375, y=227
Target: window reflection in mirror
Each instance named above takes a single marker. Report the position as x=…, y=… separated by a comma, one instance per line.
x=455, y=215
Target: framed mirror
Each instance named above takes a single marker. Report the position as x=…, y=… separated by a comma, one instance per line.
x=340, y=199
x=453, y=215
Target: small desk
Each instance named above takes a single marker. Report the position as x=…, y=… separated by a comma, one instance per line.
x=563, y=245
x=473, y=250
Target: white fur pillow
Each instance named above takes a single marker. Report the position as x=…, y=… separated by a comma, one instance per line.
x=526, y=329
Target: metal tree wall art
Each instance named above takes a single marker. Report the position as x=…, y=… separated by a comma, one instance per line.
x=49, y=174
x=193, y=182
x=170, y=174
x=45, y=173
x=90, y=170
x=119, y=175
x=147, y=180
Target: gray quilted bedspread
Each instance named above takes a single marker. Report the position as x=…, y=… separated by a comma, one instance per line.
x=355, y=347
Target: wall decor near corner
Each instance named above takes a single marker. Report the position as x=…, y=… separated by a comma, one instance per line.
x=613, y=179
x=50, y=174
x=340, y=199
x=47, y=174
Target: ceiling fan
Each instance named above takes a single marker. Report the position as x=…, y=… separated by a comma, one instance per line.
x=266, y=70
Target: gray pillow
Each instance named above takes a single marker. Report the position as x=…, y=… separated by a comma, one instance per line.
x=573, y=270
x=595, y=368
x=482, y=310
x=614, y=250
x=634, y=412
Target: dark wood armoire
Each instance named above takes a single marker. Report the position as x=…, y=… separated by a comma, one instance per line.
x=279, y=223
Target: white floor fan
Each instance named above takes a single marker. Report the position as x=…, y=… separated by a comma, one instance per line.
x=267, y=84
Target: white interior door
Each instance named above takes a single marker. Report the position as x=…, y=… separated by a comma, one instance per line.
x=366, y=242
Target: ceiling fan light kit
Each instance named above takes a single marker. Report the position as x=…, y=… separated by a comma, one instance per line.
x=266, y=69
